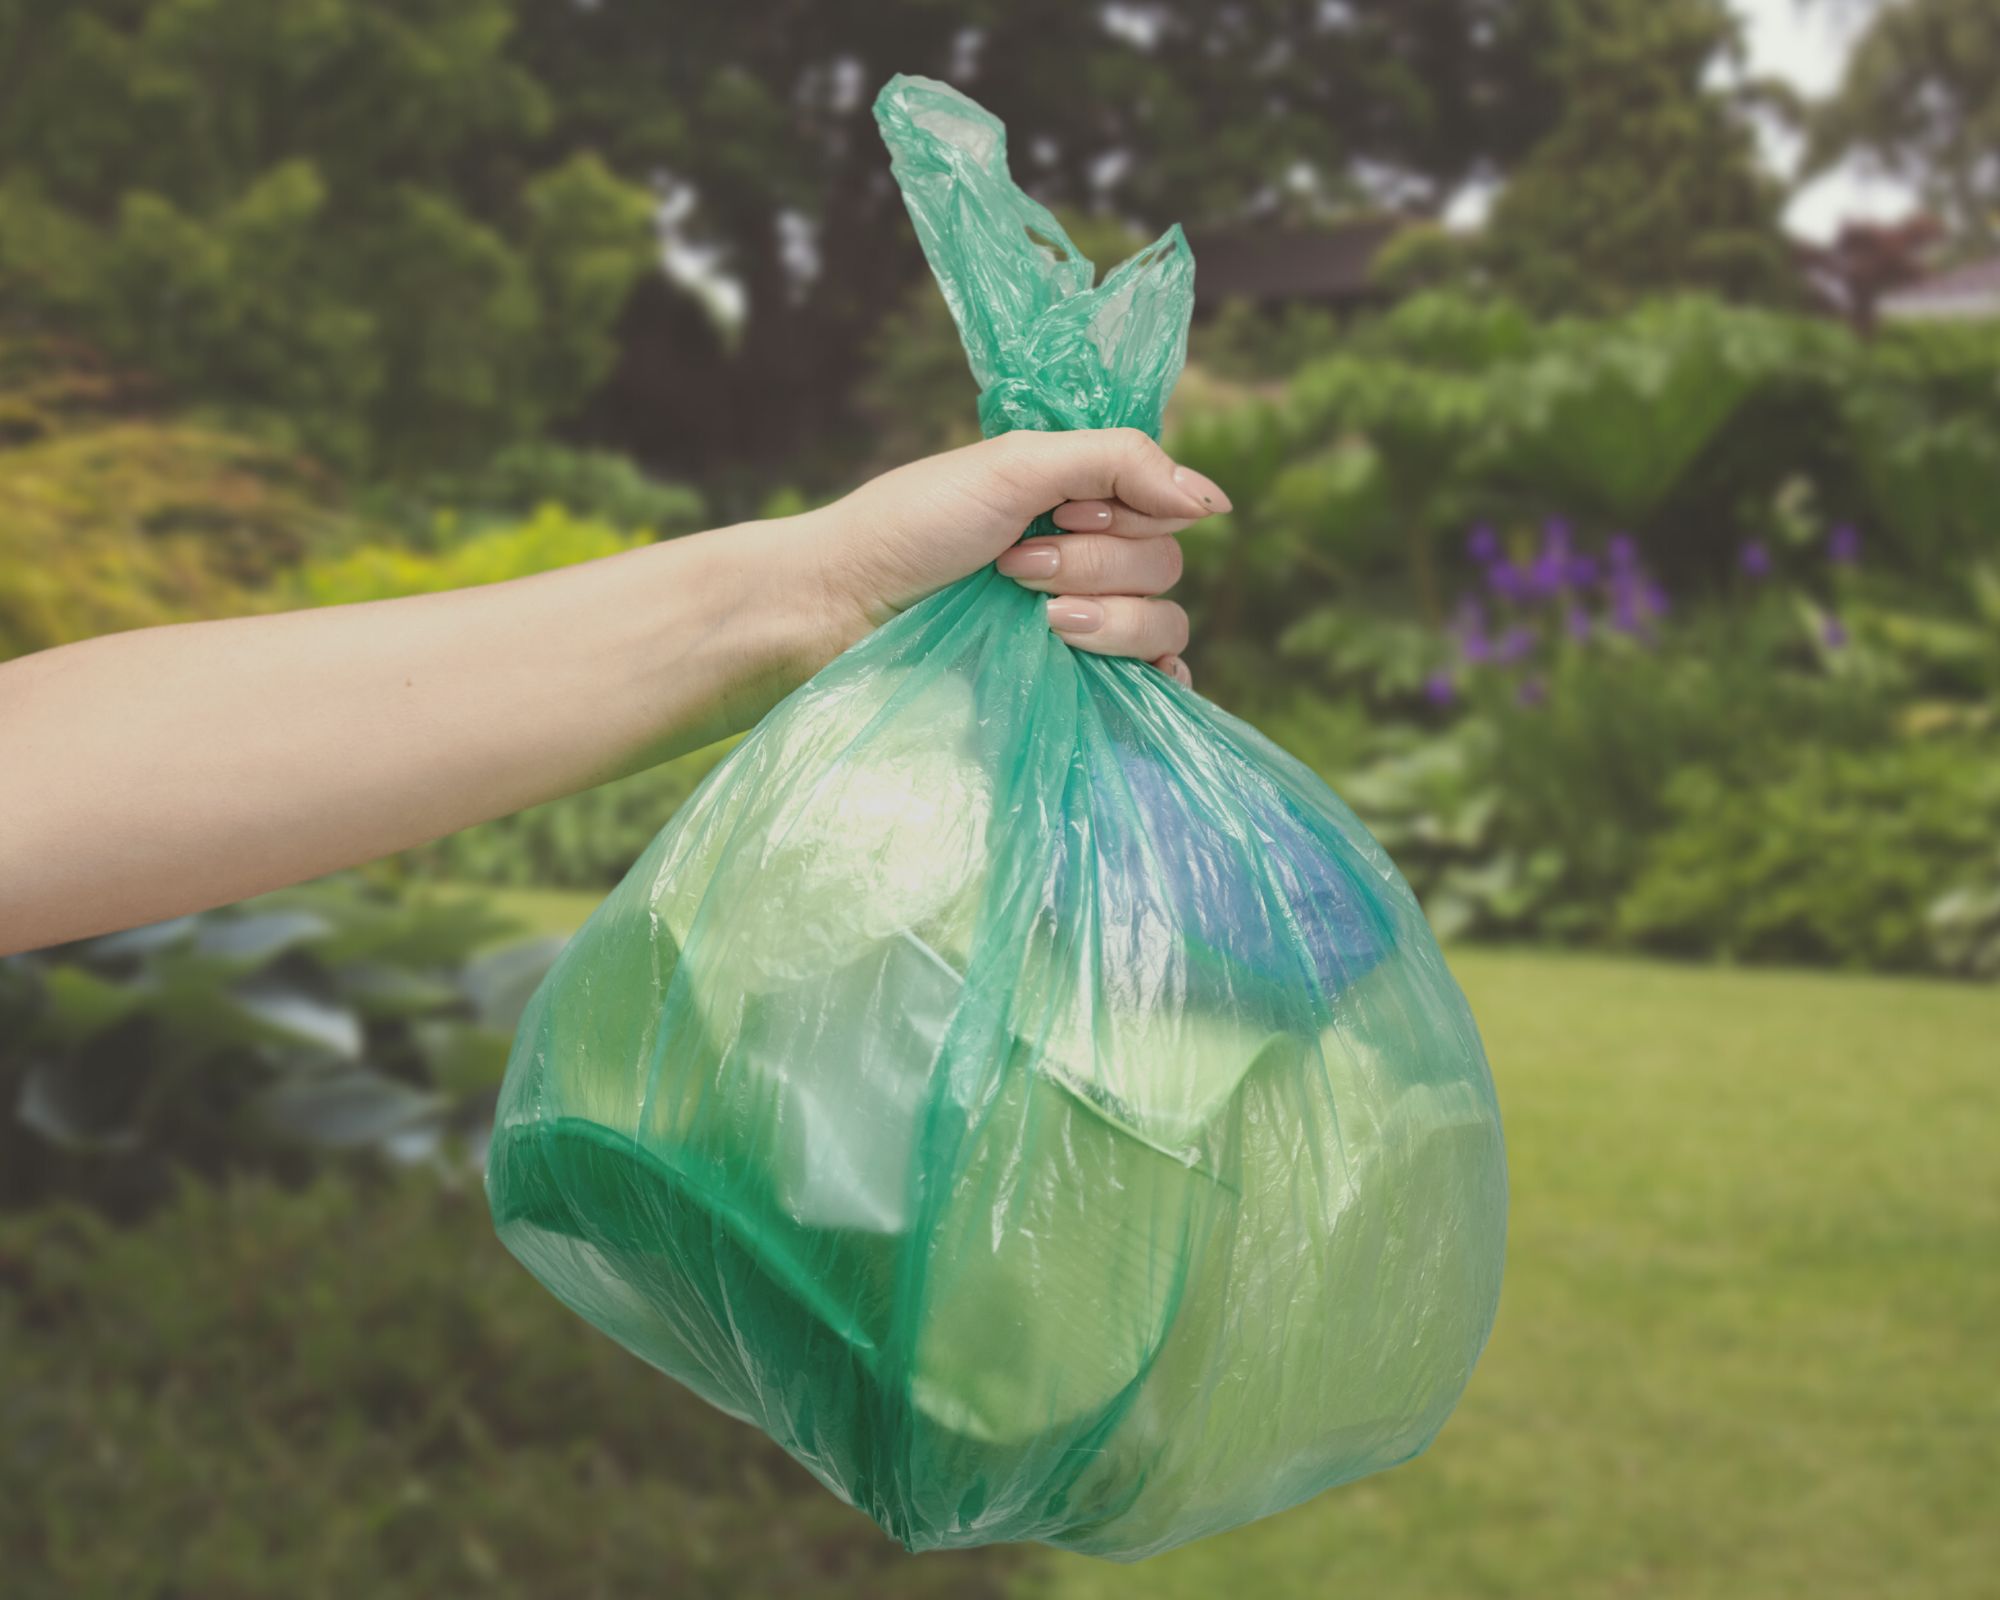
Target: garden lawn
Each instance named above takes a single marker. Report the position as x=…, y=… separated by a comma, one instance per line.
x=1747, y=1342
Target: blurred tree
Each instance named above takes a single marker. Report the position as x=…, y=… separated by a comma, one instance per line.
x=1922, y=99
x=1650, y=180
x=754, y=124
x=344, y=214
x=1428, y=256
x=406, y=230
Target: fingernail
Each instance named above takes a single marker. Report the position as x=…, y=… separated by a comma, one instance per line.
x=1030, y=561
x=1203, y=489
x=1081, y=516
x=1174, y=667
x=1075, y=616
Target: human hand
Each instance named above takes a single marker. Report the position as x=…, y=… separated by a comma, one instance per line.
x=910, y=532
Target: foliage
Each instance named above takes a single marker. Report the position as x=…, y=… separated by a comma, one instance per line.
x=340, y=219
x=116, y=518
x=1692, y=426
x=336, y=1016
x=351, y=1389
x=914, y=389
x=1425, y=256
x=551, y=538
x=1923, y=433
x=1650, y=180
x=410, y=234
x=1605, y=420
x=1451, y=410
x=1965, y=923
x=1552, y=764
x=1921, y=98
x=1155, y=113
x=1535, y=811
x=1248, y=343
x=582, y=841
x=593, y=485
x=1832, y=856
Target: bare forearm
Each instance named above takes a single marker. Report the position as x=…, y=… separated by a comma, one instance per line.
x=158, y=772
x=152, y=773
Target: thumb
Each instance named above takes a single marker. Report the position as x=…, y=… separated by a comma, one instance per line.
x=1035, y=472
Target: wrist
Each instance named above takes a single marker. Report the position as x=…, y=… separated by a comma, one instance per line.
x=778, y=605
x=811, y=578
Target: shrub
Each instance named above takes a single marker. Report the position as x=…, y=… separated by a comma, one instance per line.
x=1834, y=856
x=582, y=841
x=551, y=538
x=339, y=1015
x=351, y=1390
x=116, y=519
x=598, y=486
x=1965, y=923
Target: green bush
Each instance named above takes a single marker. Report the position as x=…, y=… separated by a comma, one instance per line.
x=582, y=841
x=1689, y=424
x=117, y=518
x=351, y=1390
x=551, y=538
x=337, y=1016
x=517, y=483
x=1529, y=807
x=1965, y=923
x=1832, y=856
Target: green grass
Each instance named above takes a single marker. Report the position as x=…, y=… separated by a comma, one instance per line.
x=1746, y=1346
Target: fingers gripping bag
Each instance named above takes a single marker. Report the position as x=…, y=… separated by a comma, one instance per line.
x=1013, y=1084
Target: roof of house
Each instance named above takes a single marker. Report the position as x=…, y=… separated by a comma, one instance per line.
x=1270, y=263
x=1971, y=290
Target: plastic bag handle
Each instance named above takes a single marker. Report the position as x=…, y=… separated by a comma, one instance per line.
x=1048, y=350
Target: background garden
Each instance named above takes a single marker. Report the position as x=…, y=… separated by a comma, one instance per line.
x=1630, y=566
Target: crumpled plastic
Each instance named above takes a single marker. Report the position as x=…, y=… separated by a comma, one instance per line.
x=1012, y=1083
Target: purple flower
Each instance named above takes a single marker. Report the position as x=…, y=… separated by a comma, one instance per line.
x=1843, y=545
x=1623, y=550
x=1482, y=543
x=1548, y=575
x=1583, y=571
x=1555, y=536
x=1532, y=692
x=1624, y=609
x=1473, y=644
x=1439, y=689
x=1576, y=623
x=1506, y=580
x=1833, y=633
x=1755, y=560
x=1515, y=644
x=1653, y=599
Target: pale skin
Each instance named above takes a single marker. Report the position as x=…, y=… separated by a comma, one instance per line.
x=148, y=774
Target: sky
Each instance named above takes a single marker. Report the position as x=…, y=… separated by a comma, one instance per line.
x=1806, y=42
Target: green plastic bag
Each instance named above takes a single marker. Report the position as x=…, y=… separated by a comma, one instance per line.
x=1013, y=1084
